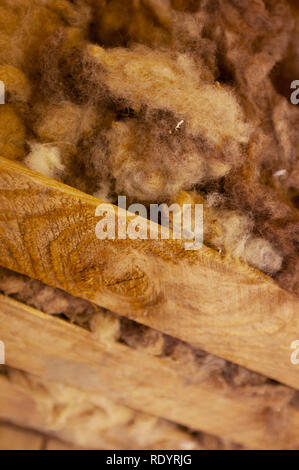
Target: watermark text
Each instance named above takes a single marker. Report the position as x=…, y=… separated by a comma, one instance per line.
x=295, y=94
x=2, y=353
x=165, y=222
x=2, y=93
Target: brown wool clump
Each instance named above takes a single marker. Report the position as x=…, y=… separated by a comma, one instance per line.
x=142, y=337
x=24, y=25
x=155, y=98
x=232, y=233
x=145, y=22
x=16, y=83
x=76, y=14
x=145, y=163
x=46, y=298
x=185, y=131
x=65, y=122
x=156, y=79
x=12, y=133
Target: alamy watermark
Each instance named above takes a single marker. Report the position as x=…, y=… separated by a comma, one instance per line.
x=165, y=222
x=295, y=94
x=2, y=353
x=2, y=93
x=295, y=354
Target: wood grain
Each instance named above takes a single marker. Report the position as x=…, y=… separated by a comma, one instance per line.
x=59, y=352
x=47, y=232
x=71, y=415
x=18, y=438
x=14, y=438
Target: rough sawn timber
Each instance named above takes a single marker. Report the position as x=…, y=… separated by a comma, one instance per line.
x=47, y=232
x=61, y=353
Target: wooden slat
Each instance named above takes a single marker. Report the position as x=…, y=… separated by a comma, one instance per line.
x=14, y=438
x=18, y=438
x=61, y=352
x=73, y=416
x=54, y=444
x=47, y=232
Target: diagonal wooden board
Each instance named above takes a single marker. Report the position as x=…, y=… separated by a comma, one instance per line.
x=47, y=232
x=69, y=414
x=14, y=438
x=19, y=438
x=58, y=351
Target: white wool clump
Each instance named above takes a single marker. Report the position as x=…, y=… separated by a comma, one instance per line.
x=235, y=231
x=237, y=240
x=45, y=159
x=157, y=79
x=105, y=327
x=260, y=254
x=215, y=199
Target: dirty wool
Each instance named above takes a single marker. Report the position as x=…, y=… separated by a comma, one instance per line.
x=164, y=101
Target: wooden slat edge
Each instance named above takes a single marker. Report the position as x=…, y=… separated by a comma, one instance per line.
x=15, y=438
x=68, y=414
x=47, y=232
x=57, y=351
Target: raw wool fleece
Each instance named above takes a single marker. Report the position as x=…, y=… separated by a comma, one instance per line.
x=231, y=232
x=147, y=98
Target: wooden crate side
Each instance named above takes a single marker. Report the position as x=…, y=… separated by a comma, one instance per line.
x=15, y=438
x=57, y=351
x=47, y=232
x=68, y=414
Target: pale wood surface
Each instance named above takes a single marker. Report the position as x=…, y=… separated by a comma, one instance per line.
x=47, y=231
x=63, y=353
x=54, y=444
x=19, y=438
x=80, y=419
x=14, y=438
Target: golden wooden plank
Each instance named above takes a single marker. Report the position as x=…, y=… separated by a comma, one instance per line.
x=75, y=417
x=54, y=444
x=14, y=438
x=63, y=353
x=47, y=232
